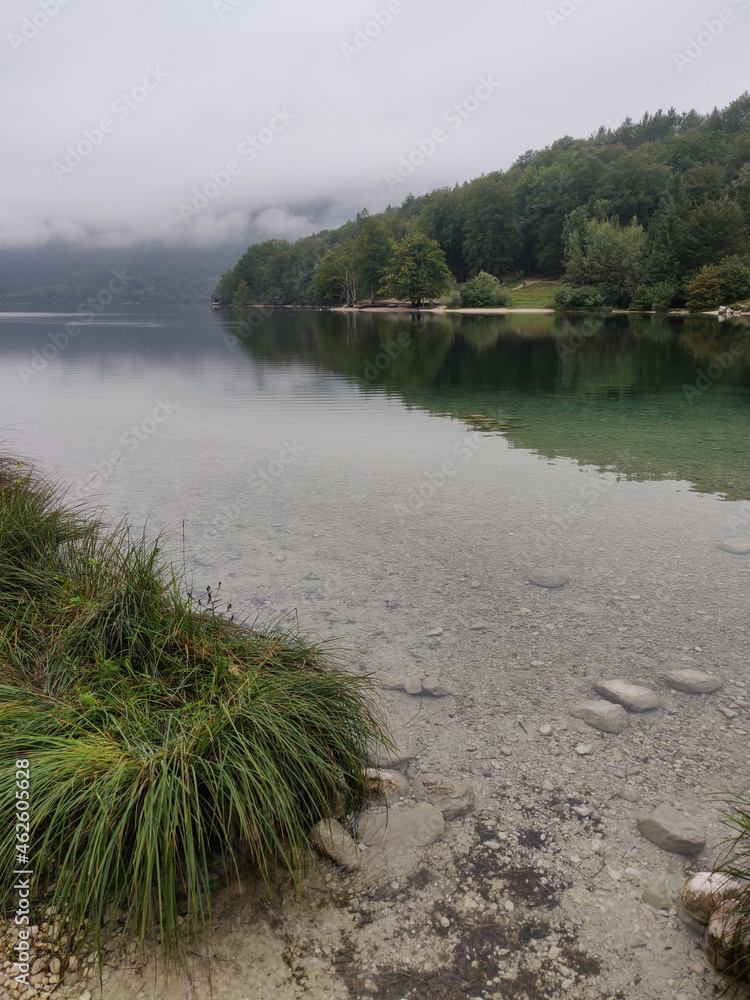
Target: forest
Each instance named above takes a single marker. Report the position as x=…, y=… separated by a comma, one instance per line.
x=59, y=275
x=652, y=214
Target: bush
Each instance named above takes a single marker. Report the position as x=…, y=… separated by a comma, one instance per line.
x=163, y=738
x=736, y=865
x=583, y=297
x=483, y=292
x=658, y=296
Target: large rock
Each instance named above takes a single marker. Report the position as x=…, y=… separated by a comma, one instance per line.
x=658, y=894
x=434, y=687
x=602, y=715
x=396, y=838
x=671, y=831
x=727, y=938
x=738, y=546
x=705, y=890
x=330, y=836
x=629, y=695
x=385, y=785
x=692, y=681
x=551, y=578
x=452, y=797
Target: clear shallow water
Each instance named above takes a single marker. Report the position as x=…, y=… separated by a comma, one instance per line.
x=379, y=423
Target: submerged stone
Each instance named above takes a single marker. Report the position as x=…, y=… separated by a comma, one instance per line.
x=551, y=578
x=602, y=715
x=671, y=831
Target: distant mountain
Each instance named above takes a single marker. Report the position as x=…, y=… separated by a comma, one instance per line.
x=58, y=274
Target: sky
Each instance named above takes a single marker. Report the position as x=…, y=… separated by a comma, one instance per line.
x=206, y=121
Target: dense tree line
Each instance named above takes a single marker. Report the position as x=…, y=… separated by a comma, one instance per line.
x=653, y=213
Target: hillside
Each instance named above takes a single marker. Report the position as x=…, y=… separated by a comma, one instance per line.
x=59, y=275
x=630, y=215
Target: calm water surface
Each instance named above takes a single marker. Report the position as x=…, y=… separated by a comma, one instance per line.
x=340, y=427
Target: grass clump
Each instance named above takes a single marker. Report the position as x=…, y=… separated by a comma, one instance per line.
x=736, y=865
x=159, y=735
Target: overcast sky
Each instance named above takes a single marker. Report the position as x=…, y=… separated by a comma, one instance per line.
x=314, y=103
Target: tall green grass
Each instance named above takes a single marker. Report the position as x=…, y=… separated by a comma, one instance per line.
x=160, y=735
x=736, y=864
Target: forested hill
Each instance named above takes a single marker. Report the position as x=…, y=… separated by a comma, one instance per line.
x=61, y=275
x=633, y=212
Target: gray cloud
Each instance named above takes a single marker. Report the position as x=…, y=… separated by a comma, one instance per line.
x=118, y=115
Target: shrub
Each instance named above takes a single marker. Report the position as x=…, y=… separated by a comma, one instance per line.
x=483, y=292
x=658, y=296
x=162, y=738
x=581, y=297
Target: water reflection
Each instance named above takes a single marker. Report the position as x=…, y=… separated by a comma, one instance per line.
x=652, y=397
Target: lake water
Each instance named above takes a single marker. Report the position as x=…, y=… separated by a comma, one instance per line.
x=390, y=483
x=320, y=463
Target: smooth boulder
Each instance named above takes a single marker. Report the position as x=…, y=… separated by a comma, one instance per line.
x=602, y=715
x=727, y=938
x=705, y=890
x=631, y=696
x=692, y=681
x=331, y=838
x=551, y=578
x=385, y=785
x=669, y=830
x=452, y=797
x=737, y=546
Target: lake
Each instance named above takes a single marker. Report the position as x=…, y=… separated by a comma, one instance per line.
x=338, y=466
x=388, y=484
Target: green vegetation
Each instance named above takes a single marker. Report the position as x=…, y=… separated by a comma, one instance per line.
x=61, y=276
x=163, y=738
x=418, y=270
x=482, y=292
x=627, y=217
x=531, y=294
x=737, y=866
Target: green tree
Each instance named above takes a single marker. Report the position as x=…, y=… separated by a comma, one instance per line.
x=418, y=270
x=715, y=229
x=242, y=297
x=705, y=290
x=735, y=279
x=606, y=254
x=492, y=240
x=333, y=281
x=371, y=253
